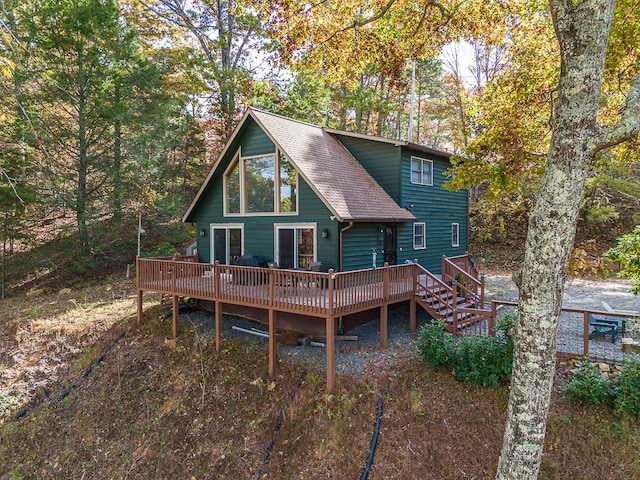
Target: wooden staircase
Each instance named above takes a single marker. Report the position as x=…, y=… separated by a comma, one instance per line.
x=457, y=297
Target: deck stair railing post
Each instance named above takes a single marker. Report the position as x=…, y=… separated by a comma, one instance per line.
x=454, y=306
x=482, y=279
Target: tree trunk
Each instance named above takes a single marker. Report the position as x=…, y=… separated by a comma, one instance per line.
x=83, y=171
x=582, y=31
x=117, y=158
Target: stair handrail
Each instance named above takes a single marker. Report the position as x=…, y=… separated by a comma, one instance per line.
x=433, y=291
x=470, y=283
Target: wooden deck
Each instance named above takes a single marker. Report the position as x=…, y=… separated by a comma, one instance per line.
x=323, y=296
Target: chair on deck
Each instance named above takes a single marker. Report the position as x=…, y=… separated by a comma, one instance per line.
x=306, y=282
x=315, y=266
x=621, y=320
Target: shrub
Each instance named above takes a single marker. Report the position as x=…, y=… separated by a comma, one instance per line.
x=627, y=387
x=479, y=360
x=587, y=386
x=435, y=345
x=627, y=252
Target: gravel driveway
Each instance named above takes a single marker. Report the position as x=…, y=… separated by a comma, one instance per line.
x=355, y=357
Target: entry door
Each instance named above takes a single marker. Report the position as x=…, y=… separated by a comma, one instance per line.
x=390, y=235
x=227, y=244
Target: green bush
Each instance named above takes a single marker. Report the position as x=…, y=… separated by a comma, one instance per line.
x=627, y=252
x=627, y=387
x=479, y=360
x=435, y=345
x=587, y=386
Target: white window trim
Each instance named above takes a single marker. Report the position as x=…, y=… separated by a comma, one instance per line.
x=297, y=226
x=226, y=226
x=239, y=159
x=225, y=194
x=455, y=234
x=424, y=236
x=413, y=157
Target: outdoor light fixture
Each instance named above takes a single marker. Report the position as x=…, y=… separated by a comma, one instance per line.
x=203, y=232
x=325, y=233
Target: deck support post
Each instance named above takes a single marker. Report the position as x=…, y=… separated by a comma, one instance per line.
x=412, y=314
x=139, y=312
x=330, y=352
x=176, y=312
x=218, y=320
x=272, y=342
x=384, y=309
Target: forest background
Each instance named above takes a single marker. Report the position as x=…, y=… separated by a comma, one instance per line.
x=113, y=110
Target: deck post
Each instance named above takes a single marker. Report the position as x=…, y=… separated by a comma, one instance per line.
x=218, y=320
x=412, y=314
x=272, y=343
x=175, y=315
x=482, y=276
x=384, y=309
x=330, y=352
x=330, y=333
x=454, y=303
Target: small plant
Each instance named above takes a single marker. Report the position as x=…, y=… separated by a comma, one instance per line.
x=587, y=386
x=627, y=387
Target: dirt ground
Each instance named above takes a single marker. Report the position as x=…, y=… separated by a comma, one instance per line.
x=152, y=408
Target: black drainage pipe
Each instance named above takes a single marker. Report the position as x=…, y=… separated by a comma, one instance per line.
x=85, y=374
x=265, y=457
x=374, y=440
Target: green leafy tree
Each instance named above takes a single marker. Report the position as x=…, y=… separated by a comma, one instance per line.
x=627, y=252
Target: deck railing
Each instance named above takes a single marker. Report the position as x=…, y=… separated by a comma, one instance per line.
x=462, y=271
x=574, y=330
x=313, y=293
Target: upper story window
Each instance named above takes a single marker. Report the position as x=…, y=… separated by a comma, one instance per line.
x=421, y=171
x=261, y=184
x=419, y=236
x=455, y=234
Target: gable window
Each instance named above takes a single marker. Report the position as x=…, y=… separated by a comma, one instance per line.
x=421, y=171
x=261, y=184
x=419, y=236
x=455, y=234
x=232, y=184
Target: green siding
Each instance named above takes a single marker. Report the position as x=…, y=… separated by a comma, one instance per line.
x=381, y=160
x=437, y=208
x=358, y=244
x=389, y=166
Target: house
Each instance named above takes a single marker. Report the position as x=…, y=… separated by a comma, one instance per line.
x=293, y=192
